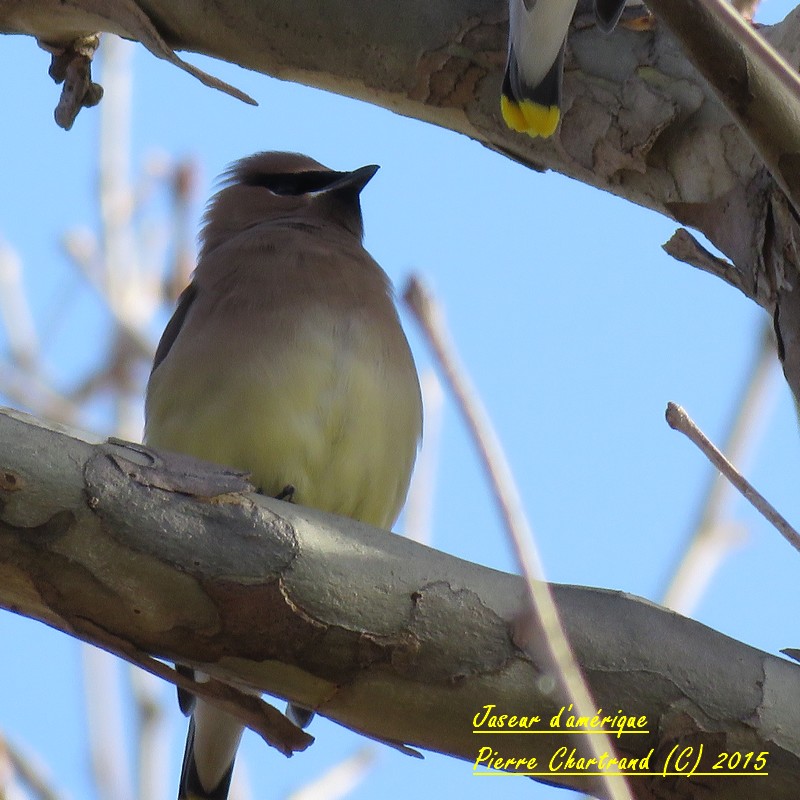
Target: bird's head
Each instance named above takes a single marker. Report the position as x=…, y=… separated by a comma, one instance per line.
x=275, y=185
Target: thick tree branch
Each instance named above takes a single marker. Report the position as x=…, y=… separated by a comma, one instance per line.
x=393, y=639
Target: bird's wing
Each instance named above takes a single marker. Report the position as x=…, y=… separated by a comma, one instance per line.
x=174, y=326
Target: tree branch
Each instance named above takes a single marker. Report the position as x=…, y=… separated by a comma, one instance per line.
x=114, y=543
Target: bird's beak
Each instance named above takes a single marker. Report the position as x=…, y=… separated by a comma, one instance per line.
x=357, y=179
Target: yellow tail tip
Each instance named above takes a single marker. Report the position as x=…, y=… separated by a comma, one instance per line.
x=529, y=117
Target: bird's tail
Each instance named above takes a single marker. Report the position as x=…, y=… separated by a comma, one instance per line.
x=208, y=759
x=535, y=110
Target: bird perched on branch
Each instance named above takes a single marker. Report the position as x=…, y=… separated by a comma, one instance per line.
x=285, y=358
x=530, y=98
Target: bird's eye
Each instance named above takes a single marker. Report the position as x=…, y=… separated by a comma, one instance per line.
x=294, y=183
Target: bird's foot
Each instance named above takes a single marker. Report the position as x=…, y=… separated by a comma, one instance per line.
x=287, y=493
x=639, y=22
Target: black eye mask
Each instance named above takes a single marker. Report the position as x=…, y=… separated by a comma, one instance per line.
x=295, y=183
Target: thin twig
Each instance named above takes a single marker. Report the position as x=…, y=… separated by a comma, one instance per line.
x=543, y=606
x=679, y=420
x=32, y=392
x=340, y=779
x=107, y=748
x=29, y=770
x=115, y=194
x=713, y=537
x=15, y=310
x=151, y=735
x=241, y=788
x=419, y=505
x=183, y=186
x=112, y=266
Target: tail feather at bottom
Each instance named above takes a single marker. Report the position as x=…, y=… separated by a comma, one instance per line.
x=210, y=752
x=535, y=110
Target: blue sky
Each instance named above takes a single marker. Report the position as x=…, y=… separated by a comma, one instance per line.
x=576, y=327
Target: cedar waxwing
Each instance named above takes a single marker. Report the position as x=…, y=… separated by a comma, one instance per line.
x=530, y=99
x=285, y=358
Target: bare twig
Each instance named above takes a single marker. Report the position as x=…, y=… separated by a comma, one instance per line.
x=419, y=506
x=15, y=309
x=713, y=537
x=241, y=788
x=153, y=750
x=119, y=254
x=29, y=770
x=508, y=499
x=679, y=420
x=32, y=392
x=114, y=265
x=339, y=780
x=685, y=247
x=110, y=768
x=183, y=185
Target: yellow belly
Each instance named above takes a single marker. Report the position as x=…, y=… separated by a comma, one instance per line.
x=325, y=414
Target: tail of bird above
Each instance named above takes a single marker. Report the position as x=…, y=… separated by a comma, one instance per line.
x=209, y=755
x=535, y=110
x=530, y=97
